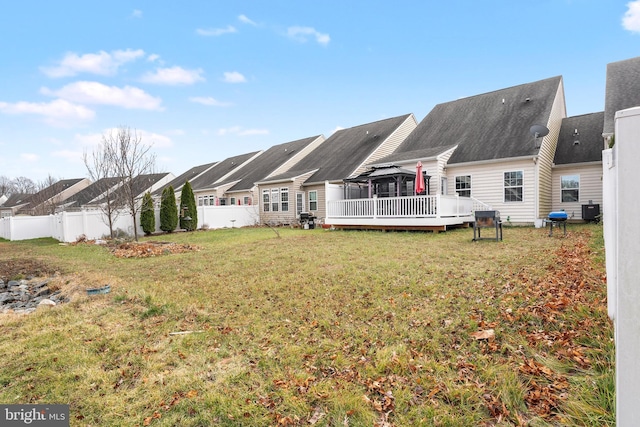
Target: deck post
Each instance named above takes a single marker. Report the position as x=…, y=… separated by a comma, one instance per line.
x=375, y=206
x=437, y=205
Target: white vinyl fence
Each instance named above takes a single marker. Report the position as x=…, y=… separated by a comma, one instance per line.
x=69, y=226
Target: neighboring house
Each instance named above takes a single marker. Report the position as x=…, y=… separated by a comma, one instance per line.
x=345, y=154
x=3, y=199
x=141, y=184
x=45, y=201
x=207, y=187
x=14, y=203
x=95, y=191
x=482, y=147
x=178, y=182
x=577, y=165
x=276, y=160
x=622, y=92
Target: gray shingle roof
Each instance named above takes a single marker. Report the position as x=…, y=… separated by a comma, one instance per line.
x=178, y=182
x=343, y=152
x=490, y=126
x=266, y=163
x=589, y=136
x=213, y=175
x=15, y=200
x=421, y=154
x=95, y=189
x=622, y=91
x=51, y=191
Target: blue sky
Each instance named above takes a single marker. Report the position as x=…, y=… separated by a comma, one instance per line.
x=206, y=80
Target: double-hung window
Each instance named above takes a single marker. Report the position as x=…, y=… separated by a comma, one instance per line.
x=513, y=186
x=275, y=200
x=463, y=185
x=313, y=200
x=284, y=199
x=266, y=204
x=570, y=188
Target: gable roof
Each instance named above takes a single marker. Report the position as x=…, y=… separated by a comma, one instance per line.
x=219, y=171
x=266, y=163
x=493, y=125
x=415, y=155
x=587, y=130
x=16, y=200
x=94, y=190
x=49, y=192
x=191, y=174
x=343, y=152
x=622, y=90
x=141, y=184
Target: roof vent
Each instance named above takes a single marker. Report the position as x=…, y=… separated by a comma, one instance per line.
x=527, y=100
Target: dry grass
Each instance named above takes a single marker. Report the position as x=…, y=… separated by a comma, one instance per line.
x=322, y=328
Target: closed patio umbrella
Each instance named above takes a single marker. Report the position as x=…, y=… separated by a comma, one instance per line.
x=419, y=187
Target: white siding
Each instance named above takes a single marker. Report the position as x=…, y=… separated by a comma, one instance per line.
x=390, y=144
x=590, y=188
x=547, y=153
x=487, y=185
x=294, y=186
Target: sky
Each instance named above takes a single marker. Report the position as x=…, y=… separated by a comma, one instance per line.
x=203, y=80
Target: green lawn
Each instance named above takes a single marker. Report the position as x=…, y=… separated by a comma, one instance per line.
x=322, y=328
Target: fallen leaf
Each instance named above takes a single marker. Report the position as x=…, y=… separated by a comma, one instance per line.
x=487, y=334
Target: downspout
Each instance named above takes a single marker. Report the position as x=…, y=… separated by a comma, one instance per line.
x=536, y=188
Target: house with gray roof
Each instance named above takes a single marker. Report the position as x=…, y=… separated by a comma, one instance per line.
x=305, y=186
x=482, y=147
x=179, y=182
x=577, y=166
x=241, y=186
x=13, y=203
x=622, y=92
x=45, y=201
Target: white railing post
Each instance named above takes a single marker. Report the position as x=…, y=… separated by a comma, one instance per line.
x=375, y=206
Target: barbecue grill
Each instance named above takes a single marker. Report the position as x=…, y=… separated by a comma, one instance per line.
x=487, y=219
x=557, y=219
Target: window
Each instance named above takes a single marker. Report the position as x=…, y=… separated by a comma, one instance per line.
x=212, y=200
x=233, y=201
x=246, y=200
x=265, y=200
x=275, y=199
x=443, y=186
x=463, y=185
x=313, y=200
x=513, y=183
x=284, y=199
x=299, y=203
x=570, y=188
x=200, y=200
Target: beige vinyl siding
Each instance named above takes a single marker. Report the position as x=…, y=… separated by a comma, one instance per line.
x=294, y=186
x=487, y=185
x=441, y=172
x=296, y=158
x=547, y=152
x=390, y=144
x=321, y=212
x=590, y=188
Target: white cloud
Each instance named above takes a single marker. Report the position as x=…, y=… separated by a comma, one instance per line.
x=101, y=63
x=29, y=157
x=631, y=19
x=245, y=20
x=153, y=57
x=69, y=155
x=301, y=34
x=238, y=131
x=91, y=140
x=84, y=92
x=214, y=32
x=137, y=13
x=233, y=77
x=208, y=101
x=59, y=112
x=173, y=76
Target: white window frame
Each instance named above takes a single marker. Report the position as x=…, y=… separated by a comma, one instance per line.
x=275, y=200
x=266, y=200
x=284, y=199
x=511, y=185
x=465, y=189
x=299, y=203
x=569, y=179
x=313, y=193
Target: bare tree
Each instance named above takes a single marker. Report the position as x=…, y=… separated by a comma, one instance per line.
x=132, y=159
x=101, y=166
x=44, y=201
x=24, y=185
x=6, y=186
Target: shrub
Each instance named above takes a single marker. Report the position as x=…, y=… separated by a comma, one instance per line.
x=168, y=210
x=188, y=211
x=147, y=215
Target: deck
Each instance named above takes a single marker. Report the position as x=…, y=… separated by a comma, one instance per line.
x=426, y=213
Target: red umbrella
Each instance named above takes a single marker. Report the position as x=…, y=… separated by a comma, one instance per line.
x=419, y=179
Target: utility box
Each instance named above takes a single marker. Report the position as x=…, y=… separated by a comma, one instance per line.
x=591, y=212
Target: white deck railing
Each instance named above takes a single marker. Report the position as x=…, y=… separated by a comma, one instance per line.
x=437, y=206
